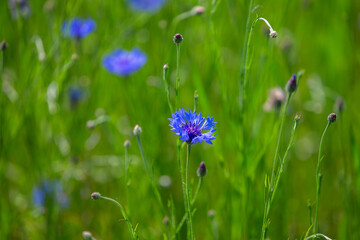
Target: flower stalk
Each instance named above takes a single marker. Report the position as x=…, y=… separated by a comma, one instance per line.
x=331, y=119
x=97, y=196
x=150, y=175
x=167, y=90
x=177, y=75
x=127, y=180
x=187, y=195
x=277, y=169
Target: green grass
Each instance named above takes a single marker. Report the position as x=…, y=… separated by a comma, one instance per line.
x=42, y=137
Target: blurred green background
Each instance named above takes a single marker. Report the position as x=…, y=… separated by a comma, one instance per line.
x=45, y=138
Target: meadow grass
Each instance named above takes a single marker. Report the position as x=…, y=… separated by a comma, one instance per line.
x=225, y=68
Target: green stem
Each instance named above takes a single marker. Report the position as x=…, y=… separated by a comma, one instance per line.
x=242, y=93
x=279, y=138
x=246, y=49
x=196, y=96
x=183, y=184
x=187, y=195
x=177, y=75
x=318, y=181
x=151, y=176
x=1, y=104
x=167, y=90
x=191, y=204
x=282, y=163
x=269, y=194
x=127, y=184
x=143, y=156
x=132, y=232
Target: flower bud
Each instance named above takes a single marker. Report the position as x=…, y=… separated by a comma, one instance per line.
x=166, y=221
x=198, y=10
x=273, y=34
x=291, y=85
x=74, y=57
x=211, y=213
x=137, y=130
x=201, y=171
x=332, y=117
x=87, y=235
x=339, y=105
x=177, y=38
x=196, y=96
x=95, y=196
x=3, y=45
x=127, y=143
x=90, y=124
x=275, y=99
x=166, y=67
x=297, y=118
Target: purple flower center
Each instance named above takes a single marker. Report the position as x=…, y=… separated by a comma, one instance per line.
x=192, y=129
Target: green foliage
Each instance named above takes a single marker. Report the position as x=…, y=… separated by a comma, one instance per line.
x=44, y=137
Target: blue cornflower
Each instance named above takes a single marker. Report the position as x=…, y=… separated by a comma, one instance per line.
x=123, y=63
x=146, y=5
x=190, y=127
x=78, y=28
x=75, y=95
x=49, y=190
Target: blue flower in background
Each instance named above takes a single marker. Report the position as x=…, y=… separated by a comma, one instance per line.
x=190, y=127
x=75, y=95
x=49, y=191
x=124, y=63
x=19, y=6
x=78, y=28
x=146, y=5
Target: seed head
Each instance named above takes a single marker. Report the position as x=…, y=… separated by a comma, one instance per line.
x=332, y=117
x=291, y=85
x=137, y=130
x=201, y=171
x=198, y=10
x=273, y=34
x=178, y=38
x=127, y=143
x=95, y=196
x=3, y=45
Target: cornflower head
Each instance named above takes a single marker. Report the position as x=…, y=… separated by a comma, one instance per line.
x=75, y=94
x=19, y=6
x=190, y=126
x=124, y=63
x=49, y=190
x=78, y=28
x=146, y=5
